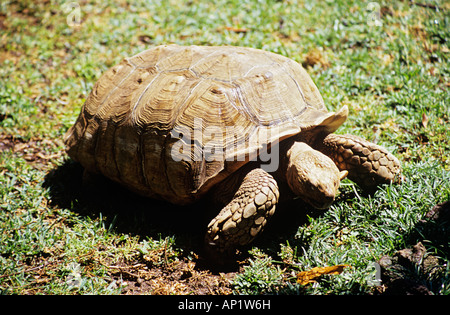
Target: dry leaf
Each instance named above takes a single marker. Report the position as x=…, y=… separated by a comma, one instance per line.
x=236, y=29
x=316, y=56
x=309, y=276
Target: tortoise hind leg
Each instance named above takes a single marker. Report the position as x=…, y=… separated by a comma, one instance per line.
x=245, y=216
x=368, y=164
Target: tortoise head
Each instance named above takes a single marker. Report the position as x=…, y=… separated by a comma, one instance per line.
x=312, y=176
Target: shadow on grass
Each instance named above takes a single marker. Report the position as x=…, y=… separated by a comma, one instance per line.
x=123, y=211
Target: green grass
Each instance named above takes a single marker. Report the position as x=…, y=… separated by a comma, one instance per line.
x=393, y=76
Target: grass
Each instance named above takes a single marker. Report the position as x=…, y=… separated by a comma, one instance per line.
x=388, y=61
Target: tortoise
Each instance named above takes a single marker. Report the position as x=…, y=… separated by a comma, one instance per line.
x=243, y=126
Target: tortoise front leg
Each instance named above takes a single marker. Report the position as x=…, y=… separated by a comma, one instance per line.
x=367, y=164
x=245, y=216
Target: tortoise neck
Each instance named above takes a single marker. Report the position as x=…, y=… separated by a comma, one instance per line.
x=314, y=138
x=283, y=147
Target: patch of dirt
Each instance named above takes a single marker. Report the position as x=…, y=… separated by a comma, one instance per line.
x=180, y=277
x=36, y=151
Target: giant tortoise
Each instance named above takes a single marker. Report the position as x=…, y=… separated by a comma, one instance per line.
x=243, y=126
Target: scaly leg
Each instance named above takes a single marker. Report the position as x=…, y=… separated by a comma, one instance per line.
x=245, y=216
x=367, y=164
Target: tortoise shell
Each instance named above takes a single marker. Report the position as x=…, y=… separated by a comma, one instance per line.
x=154, y=121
